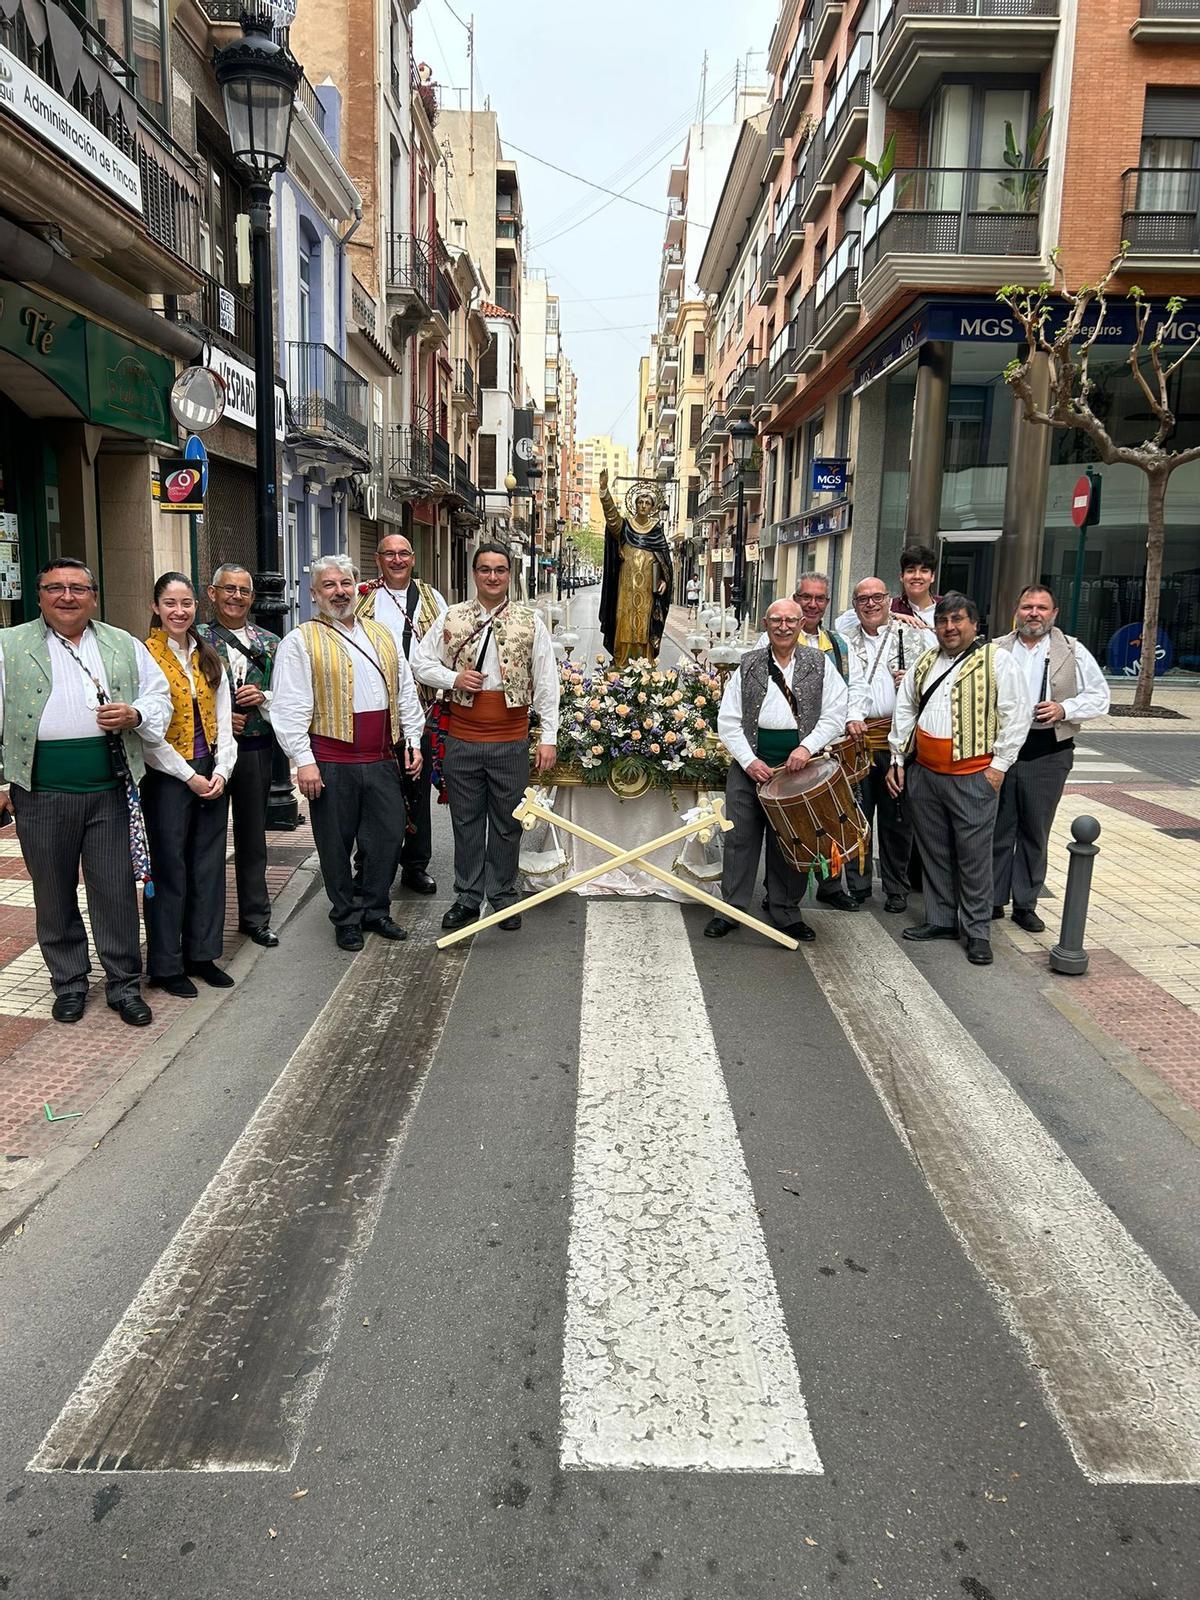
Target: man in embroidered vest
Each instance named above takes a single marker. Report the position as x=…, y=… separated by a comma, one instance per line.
x=1066, y=688
x=496, y=662
x=779, y=708
x=882, y=648
x=965, y=711
x=345, y=710
x=248, y=654
x=68, y=687
x=408, y=608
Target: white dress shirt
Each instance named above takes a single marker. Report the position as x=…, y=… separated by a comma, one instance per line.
x=292, y=704
x=391, y=609
x=70, y=709
x=872, y=686
x=431, y=669
x=165, y=758
x=1094, y=697
x=1013, y=705
x=239, y=671
x=776, y=713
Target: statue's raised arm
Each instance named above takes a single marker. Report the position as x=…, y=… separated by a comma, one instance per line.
x=613, y=520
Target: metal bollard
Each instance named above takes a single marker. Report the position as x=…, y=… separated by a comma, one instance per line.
x=1068, y=955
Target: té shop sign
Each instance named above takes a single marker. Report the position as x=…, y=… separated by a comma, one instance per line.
x=38, y=106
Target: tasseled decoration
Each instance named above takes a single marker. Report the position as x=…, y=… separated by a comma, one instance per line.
x=862, y=855
x=835, y=860
x=824, y=866
x=811, y=882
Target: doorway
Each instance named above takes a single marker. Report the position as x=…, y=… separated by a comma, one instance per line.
x=968, y=566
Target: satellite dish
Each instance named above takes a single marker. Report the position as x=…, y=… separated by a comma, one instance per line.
x=198, y=399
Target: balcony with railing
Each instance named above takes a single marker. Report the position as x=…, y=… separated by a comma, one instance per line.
x=306, y=96
x=668, y=310
x=740, y=390
x=75, y=61
x=954, y=226
x=795, y=83
x=464, y=488
x=668, y=360
x=713, y=430
x=1167, y=22
x=362, y=308
x=836, y=303
x=789, y=230
x=439, y=459
x=409, y=460
x=328, y=399
x=665, y=458
x=774, y=144
x=1160, y=216
x=764, y=289
x=815, y=190
x=750, y=478
x=826, y=14
x=409, y=282
x=844, y=125
x=921, y=40
x=463, y=392
x=781, y=364
x=507, y=296
x=227, y=313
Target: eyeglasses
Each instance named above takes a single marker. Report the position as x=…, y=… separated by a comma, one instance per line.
x=783, y=622
x=870, y=599
x=75, y=590
x=235, y=590
x=492, y=572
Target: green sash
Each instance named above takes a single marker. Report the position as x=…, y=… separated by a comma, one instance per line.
x=775, y=745
x=73, y=766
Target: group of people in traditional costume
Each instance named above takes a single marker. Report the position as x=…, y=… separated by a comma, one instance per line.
x=980, y=743
x=122, y=758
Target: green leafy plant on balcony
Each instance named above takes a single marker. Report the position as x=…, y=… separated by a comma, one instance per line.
x=1023, y=190
x=880, y=171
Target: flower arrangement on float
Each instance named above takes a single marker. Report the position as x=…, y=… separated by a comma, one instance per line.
x=639, y=727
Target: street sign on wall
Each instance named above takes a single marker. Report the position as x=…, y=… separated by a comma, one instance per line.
x=829, y=477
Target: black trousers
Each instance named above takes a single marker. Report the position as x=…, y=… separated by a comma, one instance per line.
x=418, y=844
x=59, y=832
x=185, y=917
x=361, y=807
x=891, y=831
x=249, y=789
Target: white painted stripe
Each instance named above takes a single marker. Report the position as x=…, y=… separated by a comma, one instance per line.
x=675, y=1350
x=1116, y=1348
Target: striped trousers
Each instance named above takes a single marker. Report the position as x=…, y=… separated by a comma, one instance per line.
x=1028, y=802
x=485, y=783
x=59, y=832
x=954, y=819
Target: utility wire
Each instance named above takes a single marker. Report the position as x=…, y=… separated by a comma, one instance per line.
x=616, y=194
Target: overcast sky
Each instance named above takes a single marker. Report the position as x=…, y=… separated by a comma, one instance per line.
x=606, y=92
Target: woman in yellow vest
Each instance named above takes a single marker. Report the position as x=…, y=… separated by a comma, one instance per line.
x=184, y=799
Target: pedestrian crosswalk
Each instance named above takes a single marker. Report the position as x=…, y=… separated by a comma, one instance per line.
x=1093, y=766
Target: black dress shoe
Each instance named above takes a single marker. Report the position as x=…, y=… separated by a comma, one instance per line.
x=134, y=1011
x=386, y=928
x=896, y=902
x=418, y=880
x=210, y=973
x=718, y=926
x=860, y=895
x=511, y=924
x=265, y=936
x=1029, y=920
x=798, y=930
x=979, y=952
x=348, y=938
x=459, y=915
x=925, y=931
x=997, y=913
x=183, y=988
x=68, y=1007
x=838, y=901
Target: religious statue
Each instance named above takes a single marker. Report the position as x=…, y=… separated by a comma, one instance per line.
x=635, y=590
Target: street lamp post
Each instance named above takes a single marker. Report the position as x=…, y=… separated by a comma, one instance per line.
x=258, y=79
x=534, y=473
x=742, y=439
x=560, y=528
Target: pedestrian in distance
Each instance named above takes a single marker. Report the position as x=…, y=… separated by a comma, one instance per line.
x=1066, y=688
x=495, y=663
x=693, y=595
x=185, y=800
x=962, y=713
x=81, y=702
x=345, y=709
x=247, y=655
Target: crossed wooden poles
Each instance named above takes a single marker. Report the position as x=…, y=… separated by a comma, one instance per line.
x=532, y=810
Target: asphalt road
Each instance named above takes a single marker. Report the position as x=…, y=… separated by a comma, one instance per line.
x=378, y=1355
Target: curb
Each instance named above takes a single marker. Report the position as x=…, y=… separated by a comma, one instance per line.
x=115, y=1103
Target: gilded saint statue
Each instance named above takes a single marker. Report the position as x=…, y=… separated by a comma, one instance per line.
x=635, y=591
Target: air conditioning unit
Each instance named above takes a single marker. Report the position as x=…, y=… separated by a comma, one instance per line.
x=371, y=501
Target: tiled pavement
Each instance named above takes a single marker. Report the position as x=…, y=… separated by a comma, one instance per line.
x=69, y=1069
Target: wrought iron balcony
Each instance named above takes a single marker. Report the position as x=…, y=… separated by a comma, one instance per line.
x=439, y=459
x=713, y=430
x=327, y=397
x=464, y=382
x=740, y=390
x=362, y=307
x=464, y=488
x=920, y=40
x=1160, y=214
x=409, y=456
x=226, y=312
x=306, y=96
x=409, y=277
x=76, y=62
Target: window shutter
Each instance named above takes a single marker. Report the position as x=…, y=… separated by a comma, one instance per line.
x=1172, y=114
x=695, y=424
x=485, y=450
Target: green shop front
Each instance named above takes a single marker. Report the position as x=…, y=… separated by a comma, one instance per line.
x=956, y=466
x=82, y=409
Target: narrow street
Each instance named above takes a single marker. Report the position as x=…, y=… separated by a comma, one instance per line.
x=607, y=1261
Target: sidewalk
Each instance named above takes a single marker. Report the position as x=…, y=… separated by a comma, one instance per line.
x=73, y=1069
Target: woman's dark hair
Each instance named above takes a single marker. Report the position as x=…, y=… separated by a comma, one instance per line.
x=210, y=661
x=917, y=555
x=952, y=602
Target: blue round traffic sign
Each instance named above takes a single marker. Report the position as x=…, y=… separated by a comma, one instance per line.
x=194, y=450
x=1125, y=652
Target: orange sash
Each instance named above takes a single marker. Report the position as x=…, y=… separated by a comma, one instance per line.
x=937, y=756
x=488, y=720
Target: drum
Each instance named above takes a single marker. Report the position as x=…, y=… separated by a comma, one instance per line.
x=878, y=729
x=814, y=816
x=854, y=755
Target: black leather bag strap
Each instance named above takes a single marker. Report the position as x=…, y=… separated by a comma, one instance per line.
x=928, y=693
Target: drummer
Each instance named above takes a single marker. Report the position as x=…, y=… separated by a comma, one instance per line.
x=781, y=706
x=882, y=648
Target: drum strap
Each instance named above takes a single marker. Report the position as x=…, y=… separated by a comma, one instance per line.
x=785, y=688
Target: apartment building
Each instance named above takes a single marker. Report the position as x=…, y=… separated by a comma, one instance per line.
x=596, y=455
x=647, y=410
x=885, y=346
x=541, y=357
x=568, y=511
